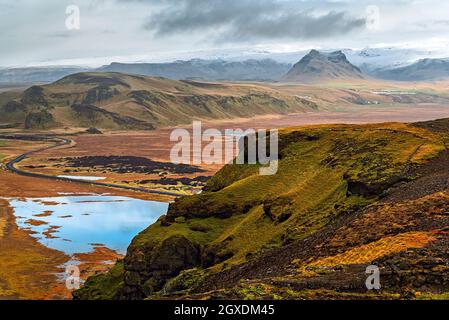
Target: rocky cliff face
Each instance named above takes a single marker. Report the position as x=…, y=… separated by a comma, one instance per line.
x=148, y=268
x=39, y=120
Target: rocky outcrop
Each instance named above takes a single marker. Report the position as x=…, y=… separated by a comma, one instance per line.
x=14, y=106
x=100, y=93
x=367, y=189
x=148, y=268
x=279, y=209
x=34, y=96
x=92, y=115
x=420, y=269
x=93, y=130
x=39, y=120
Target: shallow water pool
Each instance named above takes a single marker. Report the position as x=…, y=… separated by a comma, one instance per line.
x=76, y=224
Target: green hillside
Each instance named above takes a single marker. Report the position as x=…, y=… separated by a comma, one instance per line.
x=344, y=197
x=120, y=101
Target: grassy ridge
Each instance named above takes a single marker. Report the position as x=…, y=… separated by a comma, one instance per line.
x=121, y=101
x=326, y=173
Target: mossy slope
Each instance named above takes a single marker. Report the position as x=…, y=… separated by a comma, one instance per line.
x=248, y=226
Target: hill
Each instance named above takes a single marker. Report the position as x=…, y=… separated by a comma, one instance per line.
x=422, y=70
x=248, y=70
x=317, y=66
x=121, y=101
x=344, y=197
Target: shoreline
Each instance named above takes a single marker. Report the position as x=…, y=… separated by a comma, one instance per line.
x=28, y=269
x=42, y=270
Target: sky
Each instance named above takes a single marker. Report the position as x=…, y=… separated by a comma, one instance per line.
x=47, y=32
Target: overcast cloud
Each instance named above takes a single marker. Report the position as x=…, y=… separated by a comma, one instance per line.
x=34, y=31
x=249, y=20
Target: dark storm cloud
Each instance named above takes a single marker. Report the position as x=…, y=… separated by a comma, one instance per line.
x=244, y=20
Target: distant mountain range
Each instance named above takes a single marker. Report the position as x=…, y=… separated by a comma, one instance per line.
x=248, y=70
x=382, y=63
x=317, y=66
x=36, y=74
x=422, y=70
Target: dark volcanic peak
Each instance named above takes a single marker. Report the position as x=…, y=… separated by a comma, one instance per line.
x=318, y=66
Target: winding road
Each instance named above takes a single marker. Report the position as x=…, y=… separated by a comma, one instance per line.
x=58, y=143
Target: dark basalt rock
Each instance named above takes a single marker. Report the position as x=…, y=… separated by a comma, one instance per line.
x=200, y=206
x=362, y=188
x=93, y=131
x=278, y=210
x=14, y=106
x=147, y=269
x=100, y=93
x=216, y=254
x=39, y=120
x=94, y=114
x=151, y=97
x=421, y=269
x=34, y=96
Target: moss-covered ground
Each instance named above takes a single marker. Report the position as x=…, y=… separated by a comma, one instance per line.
x=327, y=175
